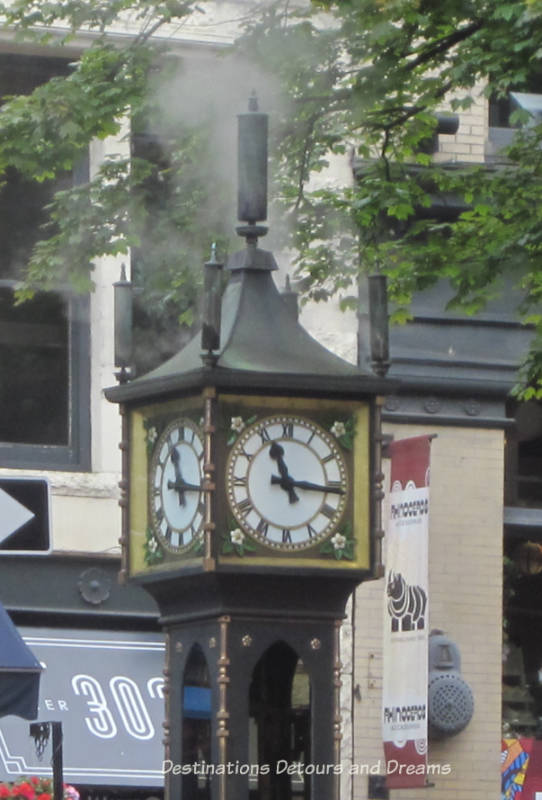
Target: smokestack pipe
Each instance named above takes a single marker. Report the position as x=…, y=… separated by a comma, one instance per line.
x=252, y=164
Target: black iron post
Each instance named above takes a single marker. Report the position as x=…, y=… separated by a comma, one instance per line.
x=58, y=767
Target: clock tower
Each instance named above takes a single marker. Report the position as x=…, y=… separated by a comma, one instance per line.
x=251, y=491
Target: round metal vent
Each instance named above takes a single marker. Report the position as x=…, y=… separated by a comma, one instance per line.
x=451, y=704
x=94, y=585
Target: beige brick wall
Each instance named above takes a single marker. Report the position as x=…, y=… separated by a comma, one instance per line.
x=465, y=563
x=468, y=144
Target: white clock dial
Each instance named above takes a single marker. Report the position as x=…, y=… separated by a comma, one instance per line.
x=287, y=482
x=175, y=493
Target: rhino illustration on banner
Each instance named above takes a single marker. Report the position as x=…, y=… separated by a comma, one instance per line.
x=406, y=604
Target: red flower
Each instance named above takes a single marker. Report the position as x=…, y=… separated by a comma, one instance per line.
x=26, y=790
x=4, y=790
x=45, y=796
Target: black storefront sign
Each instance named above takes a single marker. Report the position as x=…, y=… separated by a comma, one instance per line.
x=107, y=690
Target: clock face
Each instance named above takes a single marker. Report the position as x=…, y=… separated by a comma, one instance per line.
x=287, y=482
x=176, y=510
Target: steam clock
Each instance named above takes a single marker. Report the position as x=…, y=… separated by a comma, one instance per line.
x=251, y=512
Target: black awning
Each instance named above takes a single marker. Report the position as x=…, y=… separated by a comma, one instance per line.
x=19, y=672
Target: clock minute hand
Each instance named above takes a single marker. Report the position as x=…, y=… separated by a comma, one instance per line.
x=317, y=487
x=178, y=485
x=286, y=482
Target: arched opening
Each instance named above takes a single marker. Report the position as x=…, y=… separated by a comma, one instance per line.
x=279, y=722
x=196, y=725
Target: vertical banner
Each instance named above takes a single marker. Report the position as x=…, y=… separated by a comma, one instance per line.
x=404, y=699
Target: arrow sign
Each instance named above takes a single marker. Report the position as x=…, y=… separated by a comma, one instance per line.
x=13, y=515
x=24, y=516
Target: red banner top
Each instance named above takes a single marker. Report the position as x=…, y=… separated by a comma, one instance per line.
x=410, y=461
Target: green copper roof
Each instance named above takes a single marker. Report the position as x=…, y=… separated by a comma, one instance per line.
x=261, y=344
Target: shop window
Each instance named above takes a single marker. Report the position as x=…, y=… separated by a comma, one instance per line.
x=523, y=479
x=522, y=590
x=44, y=343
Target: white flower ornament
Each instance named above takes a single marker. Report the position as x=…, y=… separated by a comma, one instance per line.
x=237, y=536
x=338, y=541
x=338, y=429
x=237, y=424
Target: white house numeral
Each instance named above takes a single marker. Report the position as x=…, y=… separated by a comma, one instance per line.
x=131, y=707
x=128, y=703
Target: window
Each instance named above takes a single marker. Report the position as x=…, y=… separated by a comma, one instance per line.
x=44, y=343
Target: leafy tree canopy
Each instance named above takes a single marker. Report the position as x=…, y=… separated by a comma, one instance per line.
x=150, y=197
x=360, y=79
x=364, y=78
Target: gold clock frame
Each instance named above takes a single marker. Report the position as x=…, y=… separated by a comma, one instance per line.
x=213, y=412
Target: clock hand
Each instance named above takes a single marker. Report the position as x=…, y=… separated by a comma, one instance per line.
x=317, y=487
x=285, y=482
x=183, y=486
x=177, y=485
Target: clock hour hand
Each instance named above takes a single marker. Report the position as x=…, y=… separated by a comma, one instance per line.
x=276, y=452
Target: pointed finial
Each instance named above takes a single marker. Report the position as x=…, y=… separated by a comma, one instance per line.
x=378, y=312
x=253, y=101
x=290, y=298
x=210, y=331
x=123, y=320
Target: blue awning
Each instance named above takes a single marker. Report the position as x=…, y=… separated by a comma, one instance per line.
x=197, y=702
x=19, y=672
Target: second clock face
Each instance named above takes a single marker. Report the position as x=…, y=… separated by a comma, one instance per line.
x=175, y=492
x=287, y=482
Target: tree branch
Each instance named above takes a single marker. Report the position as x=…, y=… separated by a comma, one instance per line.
x=444, y=44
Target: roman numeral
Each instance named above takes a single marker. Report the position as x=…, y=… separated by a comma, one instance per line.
x=329, y=457
x=239, y=480
x=287, y=430
x=334, y=484
x=245, y=506
x=286, y=536
x=262, y=527
x=328, y=511
x=248, y=456
x=264, y=435
x=311, y=531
